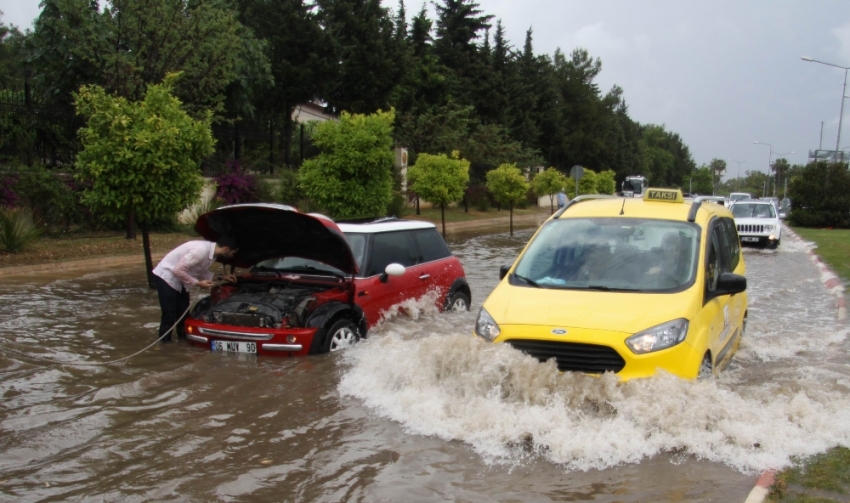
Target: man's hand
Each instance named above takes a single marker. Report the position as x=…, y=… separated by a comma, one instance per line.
x=205, y=283
x=227, y=278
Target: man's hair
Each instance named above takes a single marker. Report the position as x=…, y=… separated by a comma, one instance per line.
x=227, y=241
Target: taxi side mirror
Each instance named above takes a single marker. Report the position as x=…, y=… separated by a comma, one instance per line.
x=730, y=283
x=503, y=271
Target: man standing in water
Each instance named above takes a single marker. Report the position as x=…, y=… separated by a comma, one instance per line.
x=186, y=266
x=562, y=199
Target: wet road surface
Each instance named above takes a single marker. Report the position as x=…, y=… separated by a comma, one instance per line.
x=422, y=411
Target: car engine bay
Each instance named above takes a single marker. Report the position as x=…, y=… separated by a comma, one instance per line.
x=261, y=305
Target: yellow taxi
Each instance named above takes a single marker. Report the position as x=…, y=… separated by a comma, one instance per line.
x=626, y=285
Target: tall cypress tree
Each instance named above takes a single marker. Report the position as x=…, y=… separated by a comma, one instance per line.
x=370, y=57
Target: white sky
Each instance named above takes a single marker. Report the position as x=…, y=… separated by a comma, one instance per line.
x=721, y=73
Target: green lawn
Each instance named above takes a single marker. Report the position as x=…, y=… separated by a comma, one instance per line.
x=821, y=478
x=833, y=247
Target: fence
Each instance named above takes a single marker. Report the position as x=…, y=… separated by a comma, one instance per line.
x=32, y=133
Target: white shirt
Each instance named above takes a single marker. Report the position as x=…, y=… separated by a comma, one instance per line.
x=187, y=264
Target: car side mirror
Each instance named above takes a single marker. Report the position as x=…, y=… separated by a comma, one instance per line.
x=393, y=269
x=730, y=283
x=503, y=271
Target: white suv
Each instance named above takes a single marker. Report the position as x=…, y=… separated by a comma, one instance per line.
x=757, y=222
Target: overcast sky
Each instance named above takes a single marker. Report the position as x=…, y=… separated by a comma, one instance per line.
x=720, y=73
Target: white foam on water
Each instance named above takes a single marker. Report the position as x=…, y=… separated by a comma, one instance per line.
x=508, y=406
x=436, y=379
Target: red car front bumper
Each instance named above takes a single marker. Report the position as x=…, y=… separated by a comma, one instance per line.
x=268, y=341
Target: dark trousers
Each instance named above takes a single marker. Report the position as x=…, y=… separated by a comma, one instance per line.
x=173, y=304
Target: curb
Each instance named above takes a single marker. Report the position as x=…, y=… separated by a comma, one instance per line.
x=762, y=488
x=69, y=265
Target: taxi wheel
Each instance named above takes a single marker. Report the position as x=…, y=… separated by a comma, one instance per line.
x=705, y=368
x=458, y=302
x=341, y=335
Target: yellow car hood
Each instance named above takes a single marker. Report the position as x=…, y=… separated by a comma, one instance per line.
x=611, y=311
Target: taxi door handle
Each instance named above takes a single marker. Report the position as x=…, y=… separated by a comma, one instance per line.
x=425, y=276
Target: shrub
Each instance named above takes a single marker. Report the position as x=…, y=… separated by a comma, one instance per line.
x=48, y=197
x=236, y=185
x=8, y=197
x=199, y=209
x=289, y=188
x=398, y=206
x=478, y=197
x=17, y=230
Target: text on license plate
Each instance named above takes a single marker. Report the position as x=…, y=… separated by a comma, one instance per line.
x=750, y=240
x=235, y=347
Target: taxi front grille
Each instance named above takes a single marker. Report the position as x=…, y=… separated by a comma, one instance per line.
x=750, y=228
x=571, y=356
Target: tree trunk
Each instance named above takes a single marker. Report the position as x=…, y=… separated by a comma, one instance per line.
x=552, y=205
x=131, y=226
x=512, y=218
x=237, y=141
x=146, y=244
x=271, y=143
x=417, y=205
x=465, y=204
x=443, y=218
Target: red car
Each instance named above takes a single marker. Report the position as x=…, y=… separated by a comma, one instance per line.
x=313, y=286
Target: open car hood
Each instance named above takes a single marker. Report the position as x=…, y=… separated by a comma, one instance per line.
x=266, y=231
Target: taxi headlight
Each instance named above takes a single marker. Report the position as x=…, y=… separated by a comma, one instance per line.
x=658, y=337
x=768, y=228
x=486, y=327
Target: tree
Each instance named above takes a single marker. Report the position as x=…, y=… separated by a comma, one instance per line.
x=508, y=186
x=131, y=44
x=367, y=52
x=141, y=158
x=299, y=55
x=352, y=177
x=605, y=183
x=699, y=181
x=587, y=183
x=439, y=179
x=549, y=182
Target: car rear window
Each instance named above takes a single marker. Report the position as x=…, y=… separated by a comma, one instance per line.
x=431, y=245
x=750, y=210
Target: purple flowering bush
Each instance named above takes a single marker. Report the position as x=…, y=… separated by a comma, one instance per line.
x=8, y=196
x=236, y=186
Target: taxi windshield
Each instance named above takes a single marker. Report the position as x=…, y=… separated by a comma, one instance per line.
x=750, y=210
x=616, y=254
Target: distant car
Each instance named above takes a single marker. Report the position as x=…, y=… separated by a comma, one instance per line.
x=315, y=286
x=738, y=196
x=625, y=285
x=715, y=199
x=757, y=222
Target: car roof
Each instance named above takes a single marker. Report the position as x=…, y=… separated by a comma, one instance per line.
x=628, y=207
x=752, y=201
x=384, y=226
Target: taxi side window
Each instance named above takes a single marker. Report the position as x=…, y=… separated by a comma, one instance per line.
x=713, y=266
x=732, y=244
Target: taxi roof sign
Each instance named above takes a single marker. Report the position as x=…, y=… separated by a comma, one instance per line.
x=664, y=195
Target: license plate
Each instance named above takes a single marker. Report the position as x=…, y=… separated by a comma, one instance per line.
x=235, y=347
x=750, y=240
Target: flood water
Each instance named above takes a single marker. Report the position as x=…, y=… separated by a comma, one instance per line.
x=421, y=411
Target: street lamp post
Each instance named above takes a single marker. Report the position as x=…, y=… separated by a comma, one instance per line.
x=769, y=160
x=738, y=185
x=843, y=92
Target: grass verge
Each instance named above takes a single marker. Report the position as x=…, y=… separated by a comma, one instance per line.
x=833, y=248
x=819, y=479
x=456, y=214
x=89, y=245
